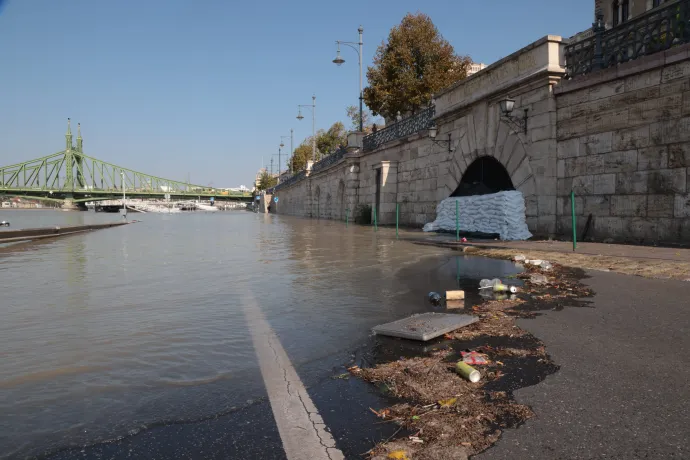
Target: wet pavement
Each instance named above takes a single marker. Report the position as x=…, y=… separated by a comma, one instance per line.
x=133, y=343
x=622, y=388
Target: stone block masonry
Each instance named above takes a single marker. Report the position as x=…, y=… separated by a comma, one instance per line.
x=623, y=138
x=619, y=138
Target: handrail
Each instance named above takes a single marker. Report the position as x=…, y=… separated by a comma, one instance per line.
x=397, y=130
x=656, y=30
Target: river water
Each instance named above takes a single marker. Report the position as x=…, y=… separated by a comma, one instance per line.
x=108, y=333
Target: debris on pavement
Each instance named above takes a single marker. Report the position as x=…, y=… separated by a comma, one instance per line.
x=447, y=410
x=455, y=295
x=425, y=326
x=434, y=298
x=473, y=358
x=496, y=285
x=519, y=258
x=538, y=278
x=455, y=304
x=468, y=372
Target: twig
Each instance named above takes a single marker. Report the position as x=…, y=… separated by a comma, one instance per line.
x=433, y=365
x=389, y=438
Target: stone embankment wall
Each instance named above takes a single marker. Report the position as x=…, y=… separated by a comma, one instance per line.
x=624, y=148
x=620, y=138
x=417, y=174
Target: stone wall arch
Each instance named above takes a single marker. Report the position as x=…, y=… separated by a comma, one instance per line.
x=482, y=133
x=508, y=149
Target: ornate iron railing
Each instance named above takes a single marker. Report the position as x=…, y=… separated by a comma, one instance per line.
x=402, y=128
x=329, y=160
x=657, y=30
x=289, y=181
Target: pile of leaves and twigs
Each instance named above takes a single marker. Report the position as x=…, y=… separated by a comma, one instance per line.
x=449, y=417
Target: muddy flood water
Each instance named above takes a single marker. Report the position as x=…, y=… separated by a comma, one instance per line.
x=113, y=334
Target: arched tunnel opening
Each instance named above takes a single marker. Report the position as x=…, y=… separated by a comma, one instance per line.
x=484, y=176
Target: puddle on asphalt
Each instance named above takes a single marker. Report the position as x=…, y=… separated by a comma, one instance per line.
x=465, y=272
x=446, y=273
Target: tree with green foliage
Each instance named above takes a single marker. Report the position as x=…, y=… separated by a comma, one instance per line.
x=267, y=181
x=415, y=63
x=301, y=155
x=328, y=142
x=368, y=124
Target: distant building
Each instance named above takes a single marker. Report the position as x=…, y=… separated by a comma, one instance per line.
x=474, y=68
x=617, y=12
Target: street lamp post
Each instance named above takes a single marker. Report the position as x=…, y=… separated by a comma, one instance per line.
x=339, y=61
x=283, y=145
x=313, y=124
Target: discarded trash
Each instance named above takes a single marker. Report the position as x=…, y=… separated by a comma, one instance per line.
x=398, y=455
x=464, y=240
x=425, y=326
x=496, y=285
x=455, y=304
x=519, y=258
x=416, y=439
x=467, y=371
x=472, y=357
x=485, y=283
x=537, y=278
x=546, y=265
x=455, y=295
x=434, y=298
x=491, y=295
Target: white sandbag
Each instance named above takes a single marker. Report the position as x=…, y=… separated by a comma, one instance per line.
x=502, y=213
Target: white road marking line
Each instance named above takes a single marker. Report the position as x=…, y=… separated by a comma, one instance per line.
x=301, y=428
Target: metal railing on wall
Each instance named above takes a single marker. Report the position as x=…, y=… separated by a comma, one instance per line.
x=329, y=160
x=656, y=30
x=402, y=128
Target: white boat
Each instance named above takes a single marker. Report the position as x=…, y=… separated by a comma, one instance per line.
x=205, y=207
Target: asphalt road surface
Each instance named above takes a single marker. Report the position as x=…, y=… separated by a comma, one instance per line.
x=623, y=390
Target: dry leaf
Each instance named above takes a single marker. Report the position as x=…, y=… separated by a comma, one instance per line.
x=447, y=402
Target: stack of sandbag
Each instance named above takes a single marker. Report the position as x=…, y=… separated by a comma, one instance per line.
x=502, y=213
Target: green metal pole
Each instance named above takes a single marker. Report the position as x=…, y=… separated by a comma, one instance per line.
x=397, y=219
x=347, y=217
x=572, y=205
x=376, y=227
x=457, y=222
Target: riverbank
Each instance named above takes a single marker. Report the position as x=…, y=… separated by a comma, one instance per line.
x=646, y=261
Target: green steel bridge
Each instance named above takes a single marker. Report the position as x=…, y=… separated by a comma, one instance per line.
x=73, y=178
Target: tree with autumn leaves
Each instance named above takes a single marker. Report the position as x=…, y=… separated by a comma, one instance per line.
x=408, y=69
x=415, y=63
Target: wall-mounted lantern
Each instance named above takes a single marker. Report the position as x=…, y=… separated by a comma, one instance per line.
x=433, y=131
x=519, y=124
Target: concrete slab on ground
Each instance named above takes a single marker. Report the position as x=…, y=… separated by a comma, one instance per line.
x=425, y=326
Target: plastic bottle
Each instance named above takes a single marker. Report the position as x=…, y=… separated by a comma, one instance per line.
x=434, y=298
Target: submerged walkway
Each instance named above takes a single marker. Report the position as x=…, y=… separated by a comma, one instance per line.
x=566, y=247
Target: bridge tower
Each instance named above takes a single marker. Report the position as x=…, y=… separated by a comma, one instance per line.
x=78, y=157
x=69, y=158
x=68, y=203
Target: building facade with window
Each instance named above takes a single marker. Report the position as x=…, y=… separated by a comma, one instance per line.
x=617, y=12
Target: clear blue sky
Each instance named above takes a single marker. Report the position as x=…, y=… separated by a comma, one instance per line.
x=207, y=87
